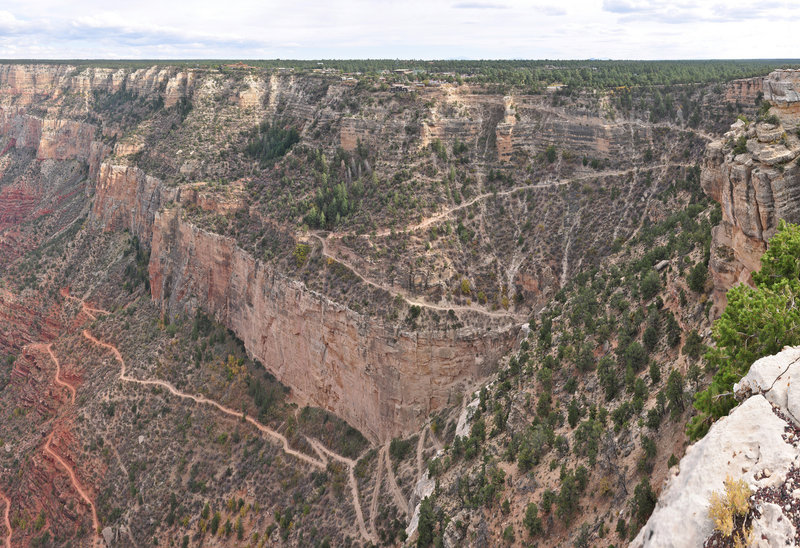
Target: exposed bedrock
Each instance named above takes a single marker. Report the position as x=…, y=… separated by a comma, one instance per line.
x=755, y=443
x=382, y=380
x=756, y=187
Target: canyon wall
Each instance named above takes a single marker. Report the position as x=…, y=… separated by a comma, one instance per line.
x=756, y=188
x=127, y=198
x=52, y=139
x=381, y=379
x=744, y=90
x=27, y=84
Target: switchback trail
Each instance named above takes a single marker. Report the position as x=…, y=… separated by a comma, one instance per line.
x=408, y=298
x=88, y=310
x=395, y=489
x=59, y=381
x=280, y=438
x=351, y=464
x=442, y=215
x=7, y=518
x=438, y=217
x=78, y=488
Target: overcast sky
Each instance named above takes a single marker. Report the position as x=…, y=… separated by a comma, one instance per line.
x=424, y=29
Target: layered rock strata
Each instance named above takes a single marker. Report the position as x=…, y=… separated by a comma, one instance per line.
x=381, y=379
x=757, y=185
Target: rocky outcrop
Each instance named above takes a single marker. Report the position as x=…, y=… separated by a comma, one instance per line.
x=753, y=443
x=30, y=82
x=745, y=90
x=53, y=139
x=505, y=129
x=26, y=84
x=382, y=380
x=756, y=187
x=126, y=198
x=65, y=140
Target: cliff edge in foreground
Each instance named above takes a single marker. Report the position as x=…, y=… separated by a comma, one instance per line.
x=758, y=443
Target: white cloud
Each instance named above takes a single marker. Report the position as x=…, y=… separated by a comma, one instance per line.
x=386, y=28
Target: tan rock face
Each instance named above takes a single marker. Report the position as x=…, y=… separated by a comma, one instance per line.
x=755, y=189
x=127, y=198
x=229, y=202
x=29, y=83
x=744, y=91
x=253, y=94
x=505, y=129
x=26, y=131
x=53, y=139
x=381, y=380
x=65, y=139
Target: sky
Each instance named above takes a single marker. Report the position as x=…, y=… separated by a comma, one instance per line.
x=399, y=29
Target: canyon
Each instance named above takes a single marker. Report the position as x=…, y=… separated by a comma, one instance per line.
x=285, y=323
x=157, y=276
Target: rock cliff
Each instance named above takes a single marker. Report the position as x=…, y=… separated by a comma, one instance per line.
x=382, y=379
x=758, y=442
x=753, y=174
x=151, y=138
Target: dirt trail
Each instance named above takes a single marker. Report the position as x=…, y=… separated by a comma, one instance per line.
x=59, y=381
x=317, y=447
x=280, y=438
x=7, y=518
x=376, y=491
x=438, y=217
x=549, y=184
x=409, y=299
x=85, y=308
x=436, y=443
x=351, y=464
x=78, y=488
x=202, y=399
x=399, y=498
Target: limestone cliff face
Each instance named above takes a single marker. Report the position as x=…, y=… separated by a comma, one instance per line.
x=744, y=90
x=756, y=187
x=382, y=380
x=756, y=443
x=26, y=84
x=52, y=138
x=126, y=198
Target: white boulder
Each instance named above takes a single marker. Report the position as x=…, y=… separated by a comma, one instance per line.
x=741, y=445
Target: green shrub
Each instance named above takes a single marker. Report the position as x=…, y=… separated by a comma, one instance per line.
x=740, y=147
x=270, y=142
x=650, y=285
x=532, y=521
x=399, y=448
x=756, y=322
x=643, y=502
x=697, y=277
